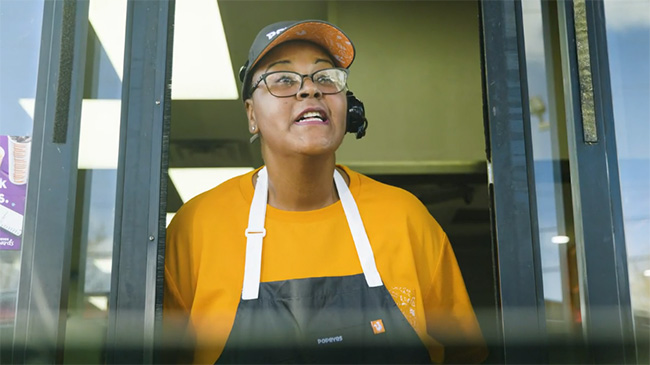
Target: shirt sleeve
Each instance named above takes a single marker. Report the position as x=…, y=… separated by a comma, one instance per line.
x=450, y=317
x=178, y=336
x=177, y=267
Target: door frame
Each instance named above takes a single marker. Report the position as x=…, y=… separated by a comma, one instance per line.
x=135, y=299
x=598, y=217
x=511, y=182
x=40, y=322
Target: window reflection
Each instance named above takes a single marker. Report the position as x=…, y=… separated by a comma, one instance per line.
x=90, y=279
x=552, y=182
x=628, y=43
x=20, y=37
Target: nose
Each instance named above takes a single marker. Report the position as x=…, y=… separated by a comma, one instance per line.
x=308, y=89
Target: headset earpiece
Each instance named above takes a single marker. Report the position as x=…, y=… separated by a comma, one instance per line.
x=242, y=71
x=356, y=116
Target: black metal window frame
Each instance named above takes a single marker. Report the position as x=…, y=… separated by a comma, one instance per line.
x=49, y=209
x=598, y=219
x=602, y=258
x=512, y=183
x=135, y=300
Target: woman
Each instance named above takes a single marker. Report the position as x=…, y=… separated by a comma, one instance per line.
x=304, y=260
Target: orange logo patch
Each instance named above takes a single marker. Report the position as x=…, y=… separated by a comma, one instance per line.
x=377, y=326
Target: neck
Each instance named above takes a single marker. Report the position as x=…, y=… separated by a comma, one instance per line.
x=303, y=183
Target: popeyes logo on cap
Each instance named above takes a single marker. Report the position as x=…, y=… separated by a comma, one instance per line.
x=272, y=34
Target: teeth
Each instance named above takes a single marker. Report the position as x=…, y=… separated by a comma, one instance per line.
x=311, y=115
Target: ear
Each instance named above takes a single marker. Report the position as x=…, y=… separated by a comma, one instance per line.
x=250, y=114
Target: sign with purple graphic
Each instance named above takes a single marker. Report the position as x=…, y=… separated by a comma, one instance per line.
x=14, y=170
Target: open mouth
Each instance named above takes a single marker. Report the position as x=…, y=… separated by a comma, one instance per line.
x=312, y=117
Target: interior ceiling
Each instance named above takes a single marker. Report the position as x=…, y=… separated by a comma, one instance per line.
x=224, y=120
x=209, y=133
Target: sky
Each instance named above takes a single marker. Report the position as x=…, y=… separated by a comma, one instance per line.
x=20, y=37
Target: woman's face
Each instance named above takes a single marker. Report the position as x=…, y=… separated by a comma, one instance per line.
x=281, y=121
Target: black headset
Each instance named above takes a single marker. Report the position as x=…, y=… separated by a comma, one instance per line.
x=356, y=116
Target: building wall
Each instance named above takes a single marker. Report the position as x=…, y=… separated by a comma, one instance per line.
x=418, y=72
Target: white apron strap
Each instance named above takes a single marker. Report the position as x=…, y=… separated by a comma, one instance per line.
x=361, y=242
x=255, y=235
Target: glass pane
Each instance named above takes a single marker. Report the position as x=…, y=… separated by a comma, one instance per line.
x=552, y=181
x=628, y=43
x=20, y=39
x=90, y=278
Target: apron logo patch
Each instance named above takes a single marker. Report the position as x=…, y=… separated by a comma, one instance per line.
x=377, y=326
x=326, y=340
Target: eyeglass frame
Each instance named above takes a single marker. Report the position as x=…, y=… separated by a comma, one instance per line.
x=302, y=81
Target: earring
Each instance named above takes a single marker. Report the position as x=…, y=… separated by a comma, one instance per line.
x=253, y=128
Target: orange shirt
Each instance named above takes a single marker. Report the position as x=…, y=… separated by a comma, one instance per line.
x=204, y=264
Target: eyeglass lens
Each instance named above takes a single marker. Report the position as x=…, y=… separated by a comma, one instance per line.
x=288, y=83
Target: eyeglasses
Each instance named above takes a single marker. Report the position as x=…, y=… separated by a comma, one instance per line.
x=283, y=84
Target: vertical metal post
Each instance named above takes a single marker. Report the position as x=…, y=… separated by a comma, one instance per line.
x=134, y=303
x=45, y=264
x=606, y=308
x=512, y=183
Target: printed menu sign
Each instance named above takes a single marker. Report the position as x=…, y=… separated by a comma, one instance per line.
x=14, y=170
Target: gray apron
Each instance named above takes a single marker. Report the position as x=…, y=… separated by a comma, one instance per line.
x=347, y=319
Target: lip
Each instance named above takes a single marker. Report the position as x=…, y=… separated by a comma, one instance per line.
x=312, y=109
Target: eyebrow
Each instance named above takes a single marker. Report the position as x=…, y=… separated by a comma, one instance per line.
x=277, y=63
x=324, y=60
x=318, y=60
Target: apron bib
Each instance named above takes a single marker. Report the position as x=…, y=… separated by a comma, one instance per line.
x=347, y=319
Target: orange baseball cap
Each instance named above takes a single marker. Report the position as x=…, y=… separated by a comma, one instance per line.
x=322, y=33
